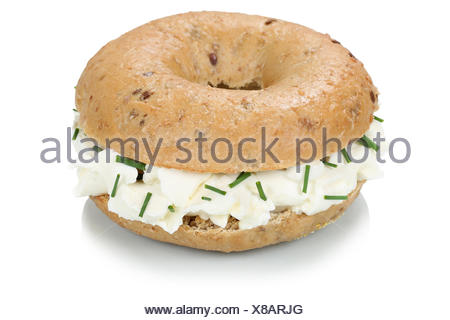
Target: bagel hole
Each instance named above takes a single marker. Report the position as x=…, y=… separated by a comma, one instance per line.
x=251, y=60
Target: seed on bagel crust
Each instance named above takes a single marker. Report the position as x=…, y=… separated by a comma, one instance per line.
x=372, y=96
x=145, y=95
x=213, y=58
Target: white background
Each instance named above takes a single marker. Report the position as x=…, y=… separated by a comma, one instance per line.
x=387, y=258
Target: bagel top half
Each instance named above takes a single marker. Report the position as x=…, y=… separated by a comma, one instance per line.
x=226, y=76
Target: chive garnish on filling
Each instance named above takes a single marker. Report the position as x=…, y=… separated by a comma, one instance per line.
x=114, y=190
x=97, y=149
x=171, y=208
x=77, y=110
x=206, y=198
x=130, y=162
x=335, y=197
x=144, y=205
x=346, y=156
x=75, y=133
x=329, y=164
x=262, y=195
x=242, y=176
x=306, y=178
x=207, y=186
x=367, y=142
x=378, y=119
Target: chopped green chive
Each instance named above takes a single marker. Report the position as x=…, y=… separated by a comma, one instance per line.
x=329, y=164
x=75, y=110
x=335, y=197
x=97, y=149
x=366, y=141
x=75, y=133
x=144, y=205
x=74, y=87
x=171, y=208
x=242, y=176
x=130, y=162
x=114, y=190
x=306, y=178
x=362, y=142
x=378, y=119
x=206, y=198
x=207, y=186
x=346, y=156
x=262, y=195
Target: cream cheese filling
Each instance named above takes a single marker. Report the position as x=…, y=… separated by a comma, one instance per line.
x=185, y=191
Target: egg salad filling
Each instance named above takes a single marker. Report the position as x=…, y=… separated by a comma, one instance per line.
x=164, y=196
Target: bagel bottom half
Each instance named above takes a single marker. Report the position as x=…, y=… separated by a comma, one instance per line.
x=198, y=233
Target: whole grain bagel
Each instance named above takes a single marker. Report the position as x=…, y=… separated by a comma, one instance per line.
x=171, y=79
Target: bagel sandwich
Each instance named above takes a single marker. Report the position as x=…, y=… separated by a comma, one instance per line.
x=225, y=131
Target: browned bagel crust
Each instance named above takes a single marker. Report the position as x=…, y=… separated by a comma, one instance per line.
x=283, y=226
x=152, y=83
